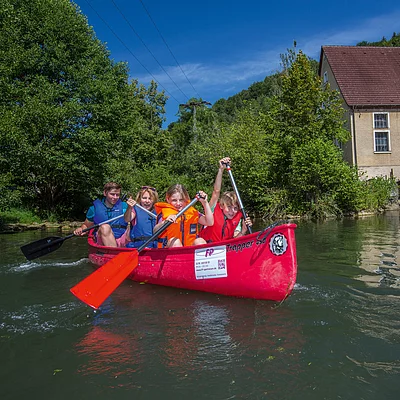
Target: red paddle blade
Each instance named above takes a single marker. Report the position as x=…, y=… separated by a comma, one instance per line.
x=94, y=289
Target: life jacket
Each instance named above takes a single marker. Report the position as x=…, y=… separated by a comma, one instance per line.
x=103, y=213
x=223, y=227
x=142, y=230
x=185, y=227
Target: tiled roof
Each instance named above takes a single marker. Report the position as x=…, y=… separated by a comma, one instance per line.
x=367, y=76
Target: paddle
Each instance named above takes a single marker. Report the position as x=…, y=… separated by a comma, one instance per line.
x=152, y=215
x=49, y=244
x=95, y=288
x=228, y=168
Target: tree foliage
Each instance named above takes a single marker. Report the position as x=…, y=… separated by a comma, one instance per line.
x=303, y=124
x=256, y=97
x=67, y=111
x=70, y=120
x=394, y=41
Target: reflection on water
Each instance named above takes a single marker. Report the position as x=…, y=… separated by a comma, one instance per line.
x=188, y=335
x=380, y=323
x=365, y=249
x=379, y=252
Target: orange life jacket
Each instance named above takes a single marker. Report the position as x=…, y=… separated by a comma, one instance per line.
x=223, y=227
x=185, y=227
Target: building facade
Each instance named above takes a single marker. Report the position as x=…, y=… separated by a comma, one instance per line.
x=368, y=80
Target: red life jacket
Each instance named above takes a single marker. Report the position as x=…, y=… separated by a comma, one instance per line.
x=223, y=227
x=185, y=227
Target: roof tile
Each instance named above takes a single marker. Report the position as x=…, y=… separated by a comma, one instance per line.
x=366, y=75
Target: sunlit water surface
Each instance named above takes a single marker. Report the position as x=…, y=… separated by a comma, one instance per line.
x=336, y=337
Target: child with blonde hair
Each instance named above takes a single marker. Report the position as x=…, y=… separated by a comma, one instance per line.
x=228, y=221
x=141, y=222
x=184, y=230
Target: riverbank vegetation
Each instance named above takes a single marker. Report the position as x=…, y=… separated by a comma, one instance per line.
x=71, y=119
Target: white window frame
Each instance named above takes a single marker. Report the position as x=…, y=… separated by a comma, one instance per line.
x=388, y=135
x=325, y=77
x=387, y=119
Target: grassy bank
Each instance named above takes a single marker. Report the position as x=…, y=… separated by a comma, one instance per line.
x=18, y=219
x=18, y=216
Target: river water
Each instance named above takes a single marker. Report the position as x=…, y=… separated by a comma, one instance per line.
x=337, y=336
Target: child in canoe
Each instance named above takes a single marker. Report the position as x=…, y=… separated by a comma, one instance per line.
x=141, y=222
x=184, y=230
x=115, y=233
x=228, y=220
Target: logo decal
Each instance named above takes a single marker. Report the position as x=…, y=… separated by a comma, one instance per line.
x=278, y=244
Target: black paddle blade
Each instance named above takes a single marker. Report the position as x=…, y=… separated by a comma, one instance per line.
x=42, y=247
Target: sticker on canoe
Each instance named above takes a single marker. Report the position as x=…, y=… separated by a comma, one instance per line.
x=210, y=263
x=278, y=244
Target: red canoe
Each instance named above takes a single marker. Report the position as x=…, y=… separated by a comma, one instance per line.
x=261, y=265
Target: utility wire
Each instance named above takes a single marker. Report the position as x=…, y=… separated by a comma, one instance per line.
x=144, y=44
x=122, y=42
x=166, y=44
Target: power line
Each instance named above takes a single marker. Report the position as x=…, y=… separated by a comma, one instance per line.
x=195, y=104
x=166, y=44
x=144, y=44
x=122, y=42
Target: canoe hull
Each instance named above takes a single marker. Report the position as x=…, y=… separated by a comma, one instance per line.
x=262, y=265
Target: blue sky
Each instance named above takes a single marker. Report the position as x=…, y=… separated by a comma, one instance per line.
x=223, y=46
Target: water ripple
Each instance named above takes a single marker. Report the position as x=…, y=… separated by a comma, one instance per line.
x=42, y=318
x=32, y=265
x=373, y=314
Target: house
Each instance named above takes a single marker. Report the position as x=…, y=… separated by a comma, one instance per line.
x=368, y=80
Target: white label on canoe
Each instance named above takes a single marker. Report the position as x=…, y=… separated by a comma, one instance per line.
x=210, y=263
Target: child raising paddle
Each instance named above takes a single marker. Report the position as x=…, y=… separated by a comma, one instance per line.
x=228, y=221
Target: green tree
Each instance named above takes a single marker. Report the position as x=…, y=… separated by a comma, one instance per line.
x=303, y=125
x=189, y=135
x=256, y=96
x=394, y=41
x=67, y=112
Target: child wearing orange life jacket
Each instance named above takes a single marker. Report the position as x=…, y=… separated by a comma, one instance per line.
x=228, y=220
x=184, y=230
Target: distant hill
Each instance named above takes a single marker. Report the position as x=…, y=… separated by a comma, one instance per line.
x=257, y=94
x=393, y=42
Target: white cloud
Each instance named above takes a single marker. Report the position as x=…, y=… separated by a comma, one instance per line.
x=371, y=30
x=215, y=80
x=213, y=77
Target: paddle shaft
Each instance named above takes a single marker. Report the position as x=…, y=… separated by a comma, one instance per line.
x=147, y=211
x=96, y=287
x=47, y=245
x=166, y=225
x=109, y=220
x=35, y=249
x=228, y=168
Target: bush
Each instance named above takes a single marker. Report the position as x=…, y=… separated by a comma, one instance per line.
x=377, y=193
x=18, y=216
